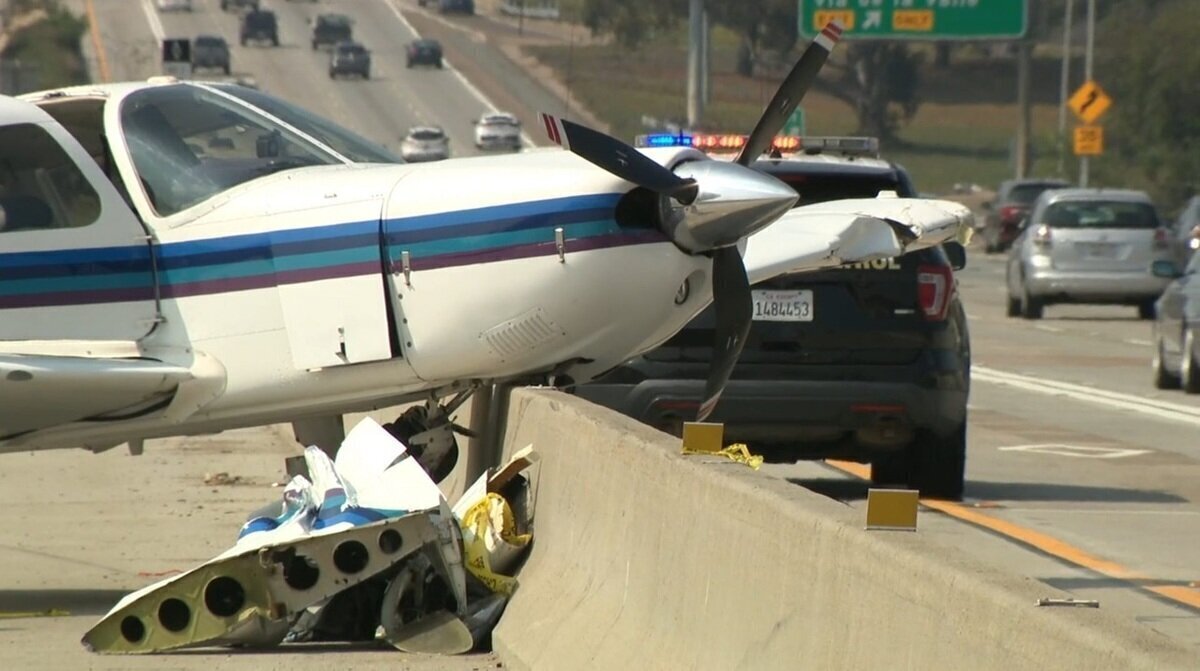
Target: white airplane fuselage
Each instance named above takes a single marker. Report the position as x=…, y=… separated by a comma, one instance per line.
x=325, y=289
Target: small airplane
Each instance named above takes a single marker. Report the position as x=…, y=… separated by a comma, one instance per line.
x=181, y=258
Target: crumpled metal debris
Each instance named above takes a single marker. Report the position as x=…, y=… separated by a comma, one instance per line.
x=365, y=547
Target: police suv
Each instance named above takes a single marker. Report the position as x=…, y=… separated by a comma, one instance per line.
x=867, y=362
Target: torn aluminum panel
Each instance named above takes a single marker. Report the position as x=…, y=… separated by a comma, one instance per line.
x=360, y=516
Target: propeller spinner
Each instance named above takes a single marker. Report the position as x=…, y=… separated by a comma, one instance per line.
x=715, y=204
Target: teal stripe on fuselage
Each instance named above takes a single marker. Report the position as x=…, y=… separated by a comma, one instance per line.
x=490, y=241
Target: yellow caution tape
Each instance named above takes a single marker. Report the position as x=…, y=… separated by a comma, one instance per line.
x=477, y=525
x=737, y=452
x=50, y=612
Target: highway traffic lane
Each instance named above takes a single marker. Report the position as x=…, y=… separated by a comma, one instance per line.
x=382, y=108
x=82, y=530
x=1103, y=346
x=1116, y=492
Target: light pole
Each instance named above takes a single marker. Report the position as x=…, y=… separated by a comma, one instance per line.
x=1063, y=89
x=1087, y=70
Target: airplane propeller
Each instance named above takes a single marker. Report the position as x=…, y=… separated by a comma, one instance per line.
x=716, y=204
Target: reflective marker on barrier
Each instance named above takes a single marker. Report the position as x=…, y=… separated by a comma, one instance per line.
x=892, y=509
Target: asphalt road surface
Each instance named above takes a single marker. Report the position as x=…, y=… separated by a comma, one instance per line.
x=1080, y=474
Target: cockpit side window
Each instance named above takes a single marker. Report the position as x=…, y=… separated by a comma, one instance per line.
x=189, y=144
x=41, y=188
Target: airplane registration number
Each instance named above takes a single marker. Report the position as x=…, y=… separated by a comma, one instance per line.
x=783, y=306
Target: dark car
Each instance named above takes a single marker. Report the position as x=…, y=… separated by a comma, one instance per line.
x=349, y=58
x=1176, y=360
x=259, y=25
x=1013, y=201
x=1186, y=232
x=236, y=5
x=423, y=52
x=210, y=51
x=456, y=6
x=329, y=29
x=877, y=369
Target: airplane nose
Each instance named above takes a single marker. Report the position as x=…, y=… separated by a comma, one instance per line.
x=733, y=202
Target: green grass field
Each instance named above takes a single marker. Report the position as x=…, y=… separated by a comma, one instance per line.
x=962, y=132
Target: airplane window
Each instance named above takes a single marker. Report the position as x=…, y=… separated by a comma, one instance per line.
x=189, y=144
x=350, y=145
x=40, y=186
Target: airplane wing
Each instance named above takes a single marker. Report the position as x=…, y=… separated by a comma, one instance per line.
x=47, y=384
x=830, y=234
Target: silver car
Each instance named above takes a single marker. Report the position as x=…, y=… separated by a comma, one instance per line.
x=1087, y=246
x=498, y=130
x=425, y=143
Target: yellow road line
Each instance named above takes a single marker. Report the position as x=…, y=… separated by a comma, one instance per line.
x=97, y=43
x=1040, y=541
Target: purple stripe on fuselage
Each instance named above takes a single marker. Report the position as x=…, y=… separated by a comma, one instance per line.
x=226, y=285
x=624, y=239
x=267, y=280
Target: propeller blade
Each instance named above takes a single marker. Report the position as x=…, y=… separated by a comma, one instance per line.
x=618, y=158
x=731, y=302
x=790, y=93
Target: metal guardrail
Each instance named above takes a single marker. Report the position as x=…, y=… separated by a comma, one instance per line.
x=531, y=9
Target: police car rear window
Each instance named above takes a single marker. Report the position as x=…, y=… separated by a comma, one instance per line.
x=821, y=188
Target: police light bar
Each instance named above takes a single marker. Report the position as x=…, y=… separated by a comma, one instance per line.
x=716, y=142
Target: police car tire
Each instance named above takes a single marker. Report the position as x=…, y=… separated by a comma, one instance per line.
x=934, y=465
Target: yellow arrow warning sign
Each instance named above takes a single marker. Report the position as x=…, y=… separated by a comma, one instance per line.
x=1090, y=102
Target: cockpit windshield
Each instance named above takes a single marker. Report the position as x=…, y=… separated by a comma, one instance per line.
x=350, y=145
x=189, y=143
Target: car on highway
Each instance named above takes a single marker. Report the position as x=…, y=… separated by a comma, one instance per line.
x=349, y=58
x=1002, y=223
x=868, y=362
x=330, y=29
x=423, y=52
x=498, y=130
x=210, y=52
x=1087, y=246
x=456, y=6
x=1186, y=238
x=425, y=143
x=173, y=5
x=239, y=5
x=1176, y=358
x=259, y=25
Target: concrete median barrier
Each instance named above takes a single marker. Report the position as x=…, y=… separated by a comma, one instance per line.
x=645, y=559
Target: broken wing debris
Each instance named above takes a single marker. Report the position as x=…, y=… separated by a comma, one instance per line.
x=364, y=547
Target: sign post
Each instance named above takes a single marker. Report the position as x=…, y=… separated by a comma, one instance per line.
x=925, y=20
x=177, y=57
x=1089, y=103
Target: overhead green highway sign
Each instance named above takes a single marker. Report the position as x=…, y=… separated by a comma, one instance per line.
x=917, y=19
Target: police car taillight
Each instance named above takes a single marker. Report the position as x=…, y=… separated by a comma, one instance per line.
x=934, y=287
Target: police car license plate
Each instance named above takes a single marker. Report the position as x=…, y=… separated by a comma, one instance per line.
x=783, y=306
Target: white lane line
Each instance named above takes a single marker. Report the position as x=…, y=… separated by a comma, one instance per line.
x=1139, y=342
x=491, y=108
x=156, y=25
x=1178, y=412
x=1048, y=329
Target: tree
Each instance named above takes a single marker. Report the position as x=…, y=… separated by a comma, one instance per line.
x=879, y=79
x=629, y=21
x=1153, y=126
